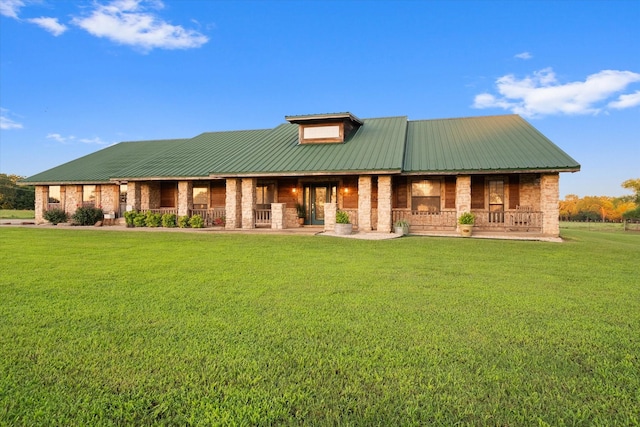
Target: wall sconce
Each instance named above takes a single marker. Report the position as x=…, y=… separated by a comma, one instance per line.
x=346, y=190
x=294, y=190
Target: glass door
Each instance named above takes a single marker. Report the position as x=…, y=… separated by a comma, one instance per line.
x=315, y=197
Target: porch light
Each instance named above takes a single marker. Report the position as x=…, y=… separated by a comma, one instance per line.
x=294, y=190
x=346, y=190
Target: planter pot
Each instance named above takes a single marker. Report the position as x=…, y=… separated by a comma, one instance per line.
x=343, y=229
x=300, y=222
x=402, y=230
x=466, y=230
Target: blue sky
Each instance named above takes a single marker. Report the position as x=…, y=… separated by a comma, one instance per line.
x=78, y=76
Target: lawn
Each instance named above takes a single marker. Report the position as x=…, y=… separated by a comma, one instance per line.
x=110, y=328
x=17, y=214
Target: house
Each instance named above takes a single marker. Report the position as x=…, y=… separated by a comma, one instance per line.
x=378, y=170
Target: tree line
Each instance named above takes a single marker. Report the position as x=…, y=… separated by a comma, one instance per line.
x=13, y=196
x=603, y=208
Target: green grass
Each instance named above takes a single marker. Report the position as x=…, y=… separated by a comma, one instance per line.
x=110, y=328
x=16, y=214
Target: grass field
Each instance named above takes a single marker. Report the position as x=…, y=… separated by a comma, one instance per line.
x=17, y=214
x=110, y=328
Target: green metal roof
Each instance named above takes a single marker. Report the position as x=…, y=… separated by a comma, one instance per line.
x=103, y=165
x=481, y=144
x=382, y=145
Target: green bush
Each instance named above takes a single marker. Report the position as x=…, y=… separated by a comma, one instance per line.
x=153, y=219
x=87, y=216
x=196, y=221
x=129, y=217
x=169, y=220
x=342, y=217
x=140, y=220
x=183, y=222
x=55, y=216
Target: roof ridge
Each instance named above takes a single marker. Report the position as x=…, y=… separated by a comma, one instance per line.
x=467, y=117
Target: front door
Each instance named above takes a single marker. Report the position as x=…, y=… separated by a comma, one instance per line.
x=315, y=197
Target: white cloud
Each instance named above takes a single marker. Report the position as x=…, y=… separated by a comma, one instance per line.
x=542, y=93
x=96, y=141
x=11, y=8
x=50, y=24
x=523, y=55
x=129, y=22
x=59, y=138
x=626, y=101
x=6, y=123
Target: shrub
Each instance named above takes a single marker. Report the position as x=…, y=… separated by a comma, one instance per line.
x=219, y=221
x=153, y=219
x=183, y=222
x=129, y=217
x=342, y=217
x=196, y=221
x=87, y=216
x=140, y=220
x=467, y=218
x=169, y=220
x=55, y=216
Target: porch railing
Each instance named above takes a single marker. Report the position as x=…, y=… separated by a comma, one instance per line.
x=263, y=217
x=510, y=220
x=54, y=206
x=353, y=215
x=162, y=211
x=424, y=220
x=211, y=217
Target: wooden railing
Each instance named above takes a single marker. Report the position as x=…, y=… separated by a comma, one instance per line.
x=211, y=217
x=425, y=220
x=54, y=206
x=510, y=220
x=353, y=215
x=263, y=217
x=162, y=211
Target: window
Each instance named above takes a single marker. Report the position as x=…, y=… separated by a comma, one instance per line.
x=201, y=197
x=54, y=194
x=496, y=201
x=88, y=195
x=123, y=193
x=265, y=195
x=168, y=194
x=425, y=195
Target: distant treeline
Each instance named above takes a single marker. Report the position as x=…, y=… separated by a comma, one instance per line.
x=603, y=208
x=13, y=196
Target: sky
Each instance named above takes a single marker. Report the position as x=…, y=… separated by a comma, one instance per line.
x=79, y=76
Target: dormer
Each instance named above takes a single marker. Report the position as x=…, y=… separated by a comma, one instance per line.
x=332, y=128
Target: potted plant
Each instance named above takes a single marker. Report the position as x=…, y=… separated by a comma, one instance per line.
x=401, y=227
x=466, y=221
x=343, y=224
x=301, y=212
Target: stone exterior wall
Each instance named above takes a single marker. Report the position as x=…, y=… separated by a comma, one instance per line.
x=41, y=201
x=330, y=216
x=73, y=198
x=150, y=195
x=248, y=202
x=233, y=202
x=185, y=197
x=278, y=221
x=463, y=194
x=109, y=198
x=134, y=196
x=364, y=203
x=384, y=204
x=549, y=198
x=530, y=191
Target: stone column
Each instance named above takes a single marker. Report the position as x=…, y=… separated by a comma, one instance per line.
x=110, y=198
x=384, y=204
x=42, y=200
x=364, y=203
x=248, y=202
x=232, y=204
x=330, y=216
x=549, y=199
x=73, y=198
x=134, y=196
x=278, y=217
x=185, y=197
x=463, y=195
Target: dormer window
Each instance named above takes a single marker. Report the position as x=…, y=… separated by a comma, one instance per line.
x=325, y=128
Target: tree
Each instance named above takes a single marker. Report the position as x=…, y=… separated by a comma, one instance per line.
x=13, y=196
x=633, y=185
